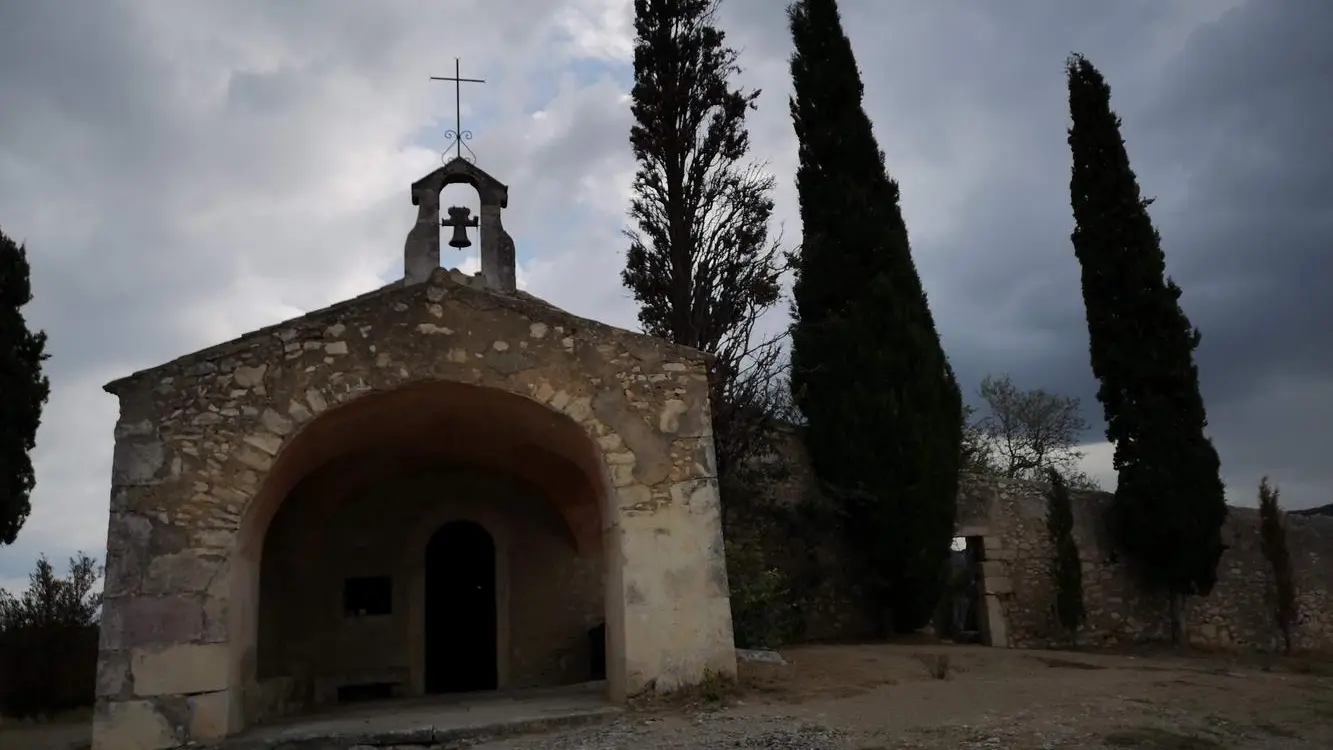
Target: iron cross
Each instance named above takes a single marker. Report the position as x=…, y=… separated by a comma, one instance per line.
x=458, y=133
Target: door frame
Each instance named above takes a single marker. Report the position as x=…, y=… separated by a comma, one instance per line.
x=415, y=560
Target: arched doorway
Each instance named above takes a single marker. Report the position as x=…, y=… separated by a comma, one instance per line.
x=460, y=609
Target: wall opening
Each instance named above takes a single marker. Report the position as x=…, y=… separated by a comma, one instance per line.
x=341, y=584
x=460, y=609
x=965, y=590
x=367, y=596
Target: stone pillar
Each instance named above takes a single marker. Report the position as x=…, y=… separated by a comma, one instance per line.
x=163, y=675
x=497, y=249
x=421, y=255
x=671, y=577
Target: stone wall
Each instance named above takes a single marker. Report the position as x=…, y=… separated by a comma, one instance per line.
x=1236, y=614
x=1009, y=517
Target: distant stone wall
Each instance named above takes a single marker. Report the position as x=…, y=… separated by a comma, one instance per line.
x=1009, y=516
x=1236, y=614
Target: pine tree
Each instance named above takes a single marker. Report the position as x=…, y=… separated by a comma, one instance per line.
x=883, y=410
x=1273, y=542
x=701, y=264
x=1066, y=568
x=24, y=390
x=1169, y=502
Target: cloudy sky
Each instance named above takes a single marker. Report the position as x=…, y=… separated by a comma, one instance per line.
x=185, y=171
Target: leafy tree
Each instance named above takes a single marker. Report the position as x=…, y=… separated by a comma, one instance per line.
x=1066, y=569
x=1273, y=542
x=1169, y=505
x=53, y=601
x=1029, y=432
x=883, y=411
x=700, y=262
x=977, y=454
x=24, y=390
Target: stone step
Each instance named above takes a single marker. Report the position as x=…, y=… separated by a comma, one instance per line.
x=417, y=730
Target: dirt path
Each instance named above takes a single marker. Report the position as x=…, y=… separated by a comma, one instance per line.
x=887, y=697
x=881, y=697
x=71, y=731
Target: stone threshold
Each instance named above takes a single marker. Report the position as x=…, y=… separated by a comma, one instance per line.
x=425, y=723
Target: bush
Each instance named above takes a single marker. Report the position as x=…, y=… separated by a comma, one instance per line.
x=763, y=614
x=48, y=640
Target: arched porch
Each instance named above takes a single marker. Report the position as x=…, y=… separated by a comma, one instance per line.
x=348, y=512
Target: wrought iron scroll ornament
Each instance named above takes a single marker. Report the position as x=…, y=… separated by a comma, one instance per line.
x=456, y=138
x=458, y=135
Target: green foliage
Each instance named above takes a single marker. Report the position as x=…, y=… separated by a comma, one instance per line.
x=1169, y=504
x=51, y=600
x=700, y=263
x=48, y=639
x=1066, y=568
x=882, y=408
x=1273, y=542
x=763, y=611
x=24, y=390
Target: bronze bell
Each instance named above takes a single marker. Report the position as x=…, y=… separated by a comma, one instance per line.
x=458, y=219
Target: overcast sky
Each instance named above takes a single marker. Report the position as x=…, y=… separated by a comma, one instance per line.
x=185, y=171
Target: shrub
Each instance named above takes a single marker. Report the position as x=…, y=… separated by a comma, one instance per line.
x=48, y=640
x=763, y=614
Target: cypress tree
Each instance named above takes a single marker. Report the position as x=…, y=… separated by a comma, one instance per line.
x=1169, y=502
x=883, y=411
x=23, y=389
x=1066, y=568
x=1273, y=543
x=700, y=262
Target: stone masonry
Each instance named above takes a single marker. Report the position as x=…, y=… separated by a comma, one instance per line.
x=1008, y=518
x=609, y=427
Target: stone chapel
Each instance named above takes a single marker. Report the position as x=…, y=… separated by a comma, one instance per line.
x=442, y=485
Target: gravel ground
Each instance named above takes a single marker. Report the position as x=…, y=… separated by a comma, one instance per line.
x=704, y=730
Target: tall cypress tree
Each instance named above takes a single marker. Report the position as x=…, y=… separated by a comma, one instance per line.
x=881, y=403
x=23, y=389
x=1169, y=502
x=700, y=261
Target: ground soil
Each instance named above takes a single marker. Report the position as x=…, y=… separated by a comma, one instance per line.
x=947, y=697
x=938, y=697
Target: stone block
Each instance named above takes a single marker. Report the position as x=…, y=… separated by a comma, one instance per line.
x=181, y=573
x=998, y=585
x=994, y=569
x=997, y=631
x=139, y=461
x=113, y=674
x=180, y=670
x=131, y=725
x=139, y=621
x=209, y=715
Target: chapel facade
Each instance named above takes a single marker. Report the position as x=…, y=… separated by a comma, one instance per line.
x=444, y=485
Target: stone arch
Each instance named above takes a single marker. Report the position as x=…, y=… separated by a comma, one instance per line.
x=409, y=428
